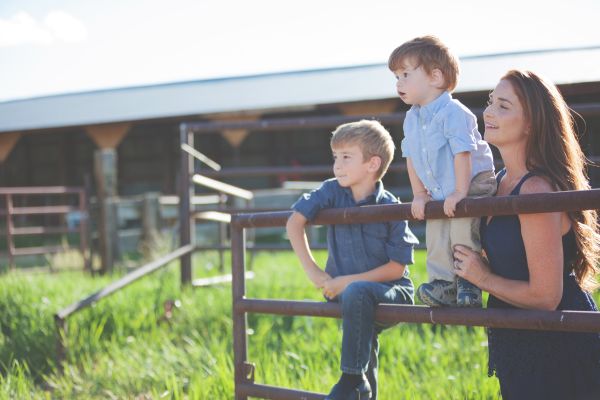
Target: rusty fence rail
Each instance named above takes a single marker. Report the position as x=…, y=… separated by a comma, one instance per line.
x=60, y=318
x=522, y=319
x=10, y=211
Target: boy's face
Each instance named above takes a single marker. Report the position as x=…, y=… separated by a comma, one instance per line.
x=415, y=85
x=349, y=167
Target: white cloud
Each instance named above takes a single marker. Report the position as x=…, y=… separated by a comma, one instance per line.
x=57, y=26
x=65, y=27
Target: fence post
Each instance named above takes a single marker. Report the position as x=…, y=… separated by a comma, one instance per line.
x=150, y=218
x=186, y=192
x=106, y=183
x=61, y=347
x=222, y=232
x=238, y=287
x=83, y=230
x=10, y=245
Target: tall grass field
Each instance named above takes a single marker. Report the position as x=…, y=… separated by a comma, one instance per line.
x=126, y=347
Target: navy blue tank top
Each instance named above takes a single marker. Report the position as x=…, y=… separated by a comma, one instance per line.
x=522, y=350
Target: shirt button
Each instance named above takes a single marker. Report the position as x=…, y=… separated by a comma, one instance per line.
x=437, y=189
x=424, y=150
x=424, y=126
x=428, y=172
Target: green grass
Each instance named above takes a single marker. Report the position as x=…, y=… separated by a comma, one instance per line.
x=124, y=347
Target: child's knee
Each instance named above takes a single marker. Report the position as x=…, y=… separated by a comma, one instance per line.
x=356, y=295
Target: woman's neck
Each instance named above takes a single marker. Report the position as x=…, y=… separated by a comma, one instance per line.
x=514, y=163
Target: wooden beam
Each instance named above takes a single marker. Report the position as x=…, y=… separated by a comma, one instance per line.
x=369, y=107
x=222, y=187
x=108, y=136
x=7, y=143
x=235, y=137
x=215, y=280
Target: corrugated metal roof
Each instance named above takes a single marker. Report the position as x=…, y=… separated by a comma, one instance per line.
x=278, y=90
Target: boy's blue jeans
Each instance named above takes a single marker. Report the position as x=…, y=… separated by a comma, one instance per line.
x=360, y=344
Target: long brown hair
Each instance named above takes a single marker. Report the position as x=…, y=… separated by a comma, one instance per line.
x=553, y=151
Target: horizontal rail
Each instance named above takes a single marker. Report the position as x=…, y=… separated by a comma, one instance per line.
x=214, y=216
x=196, y=154
x=567, y=321
x=30, y=251
x=173, y=200
x=42, y=230
x=261, y=247
x=44, y=210
x=235, y=210
x=285, y=170
x=215, y=280
x=124, y=281
x=40, y=190
x=274, y=392
x=222, y=187
x=499, y=205
x=330, y=121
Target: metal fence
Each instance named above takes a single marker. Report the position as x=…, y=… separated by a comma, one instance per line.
x=498, y=318
x=62, y=206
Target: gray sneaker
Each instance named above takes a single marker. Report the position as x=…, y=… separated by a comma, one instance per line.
x=467, y=294
x=438, y=293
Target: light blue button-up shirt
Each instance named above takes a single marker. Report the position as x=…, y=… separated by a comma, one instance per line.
x=356, y=248
x=433, y=134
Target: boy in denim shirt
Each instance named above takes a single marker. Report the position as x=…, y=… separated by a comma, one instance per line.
x=366, y=264
x=447, y=160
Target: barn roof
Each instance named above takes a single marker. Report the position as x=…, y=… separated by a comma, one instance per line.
x=285, y=90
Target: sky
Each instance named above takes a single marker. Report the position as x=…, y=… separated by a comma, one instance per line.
x=51, y=47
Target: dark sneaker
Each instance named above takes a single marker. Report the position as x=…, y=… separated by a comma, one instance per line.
x=467, y=294
x=360, y=391
x=438, y=293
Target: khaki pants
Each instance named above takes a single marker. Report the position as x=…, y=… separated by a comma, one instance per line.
x=442, y=234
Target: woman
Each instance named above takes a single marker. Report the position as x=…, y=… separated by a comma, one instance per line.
x=538, y=261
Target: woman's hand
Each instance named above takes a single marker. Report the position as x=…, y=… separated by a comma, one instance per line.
x=471, y=266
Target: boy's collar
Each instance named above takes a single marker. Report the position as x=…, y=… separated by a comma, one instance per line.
x=373, y=198
x=436, y=105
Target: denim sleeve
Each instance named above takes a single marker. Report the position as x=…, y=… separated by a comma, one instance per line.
x=459, y=130
x=309, y=204
x=401, y=242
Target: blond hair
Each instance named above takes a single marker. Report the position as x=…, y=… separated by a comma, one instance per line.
x=371, y=137
x=430, y=53
x=553, y=151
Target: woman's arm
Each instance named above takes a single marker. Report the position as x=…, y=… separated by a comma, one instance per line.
x=542, y=237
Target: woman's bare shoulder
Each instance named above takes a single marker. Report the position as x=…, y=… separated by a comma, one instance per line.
x=537, y=184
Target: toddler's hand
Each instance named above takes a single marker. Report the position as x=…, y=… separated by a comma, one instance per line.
x=417, y=206
x=451, y=201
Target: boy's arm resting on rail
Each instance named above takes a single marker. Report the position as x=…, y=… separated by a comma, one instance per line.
x=296, y=233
